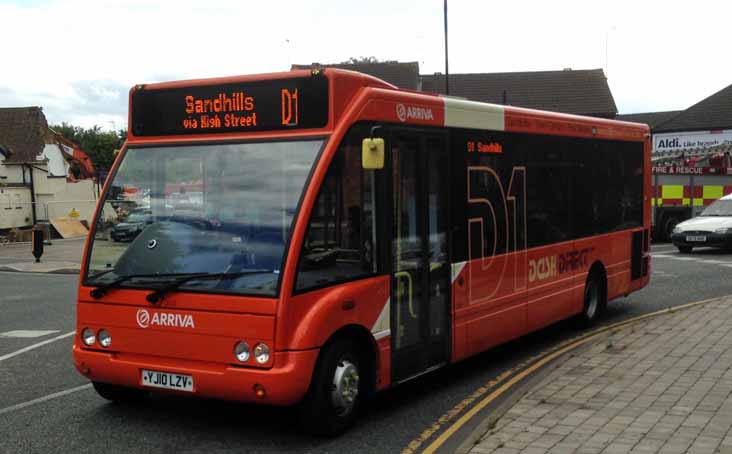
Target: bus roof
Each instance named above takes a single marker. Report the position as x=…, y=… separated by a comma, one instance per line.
x=313, y=102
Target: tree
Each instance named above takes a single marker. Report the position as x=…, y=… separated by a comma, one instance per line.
x=99, y=145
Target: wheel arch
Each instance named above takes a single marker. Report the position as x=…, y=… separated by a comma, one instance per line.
x=368, y=351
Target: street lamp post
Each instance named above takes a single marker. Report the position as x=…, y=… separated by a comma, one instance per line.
x=447, y=71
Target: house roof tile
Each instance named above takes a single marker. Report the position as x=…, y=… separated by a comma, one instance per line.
x=584, y=92
x=713, y=112
x=22, y=132
x=652, y=119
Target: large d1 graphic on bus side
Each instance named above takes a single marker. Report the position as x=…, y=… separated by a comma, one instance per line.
x=496, y=232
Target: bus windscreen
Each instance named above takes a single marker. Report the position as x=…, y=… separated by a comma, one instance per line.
x=282, y=104
x=180, y=211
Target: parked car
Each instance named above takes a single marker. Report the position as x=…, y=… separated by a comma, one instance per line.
x=131, y=226
x=713, y=228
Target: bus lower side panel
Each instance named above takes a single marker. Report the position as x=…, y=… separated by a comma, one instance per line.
x=489, y=311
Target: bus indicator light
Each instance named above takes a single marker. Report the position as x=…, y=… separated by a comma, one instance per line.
x=259, y=391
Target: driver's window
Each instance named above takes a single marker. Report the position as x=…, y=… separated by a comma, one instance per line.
x=340, y=242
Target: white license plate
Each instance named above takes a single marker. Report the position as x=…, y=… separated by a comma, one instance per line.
x=696, y=239
x=167, y=380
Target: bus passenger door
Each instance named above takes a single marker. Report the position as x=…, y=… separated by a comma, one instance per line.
x=420, y=268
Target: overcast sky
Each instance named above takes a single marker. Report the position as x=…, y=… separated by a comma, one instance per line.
x=78, y=58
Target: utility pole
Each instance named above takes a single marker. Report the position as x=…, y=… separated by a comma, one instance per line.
x=447, y=71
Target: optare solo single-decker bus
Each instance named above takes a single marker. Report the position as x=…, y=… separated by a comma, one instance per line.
x=314, y=237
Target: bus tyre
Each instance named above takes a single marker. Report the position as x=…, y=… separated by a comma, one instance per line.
x=119, y=394
x=685, y=249
x=336, y=390
x=595, y=300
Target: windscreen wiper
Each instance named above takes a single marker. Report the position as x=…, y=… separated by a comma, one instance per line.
x=102, y=290
x=157, y=295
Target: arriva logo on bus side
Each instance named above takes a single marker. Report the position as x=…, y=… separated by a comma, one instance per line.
x=405, y=113
x=164, y=319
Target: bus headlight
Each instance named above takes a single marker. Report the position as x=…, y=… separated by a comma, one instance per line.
x=105, y=339
x=241, y=351
x=88, y=337
x=261, y=353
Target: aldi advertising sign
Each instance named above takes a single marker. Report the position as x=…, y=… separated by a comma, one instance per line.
x=695, y=139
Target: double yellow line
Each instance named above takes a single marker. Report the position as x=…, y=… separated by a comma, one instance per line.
x=543, y=359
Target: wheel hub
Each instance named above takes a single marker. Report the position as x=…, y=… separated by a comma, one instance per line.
x=345, y=387
x=592, y=299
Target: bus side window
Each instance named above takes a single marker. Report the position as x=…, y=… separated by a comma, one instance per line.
x=339, y=244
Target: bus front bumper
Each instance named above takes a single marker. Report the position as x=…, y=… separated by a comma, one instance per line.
x=284, y=384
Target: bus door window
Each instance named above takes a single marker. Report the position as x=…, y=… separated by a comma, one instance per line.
x=340, y=244
x=437, y=237
x=420, y=282
x=407, y=244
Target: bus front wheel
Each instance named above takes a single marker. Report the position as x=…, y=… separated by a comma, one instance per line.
x=119, y=394
x=336, y=391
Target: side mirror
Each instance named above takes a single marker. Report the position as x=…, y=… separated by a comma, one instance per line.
x=372, y=154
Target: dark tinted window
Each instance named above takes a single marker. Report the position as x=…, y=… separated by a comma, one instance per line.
x=549, y=169
x=341, y=240
x=573, y=188
x=607, y=186
x=489, y=200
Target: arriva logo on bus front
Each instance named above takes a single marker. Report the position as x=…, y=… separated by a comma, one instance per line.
x=405, y=113
x=164, y=319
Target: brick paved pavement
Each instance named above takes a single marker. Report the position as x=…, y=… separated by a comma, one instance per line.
x=659, y=386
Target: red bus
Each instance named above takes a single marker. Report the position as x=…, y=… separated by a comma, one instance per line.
x=317, y=236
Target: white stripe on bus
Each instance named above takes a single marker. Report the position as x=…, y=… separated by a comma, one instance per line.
x=462, y=113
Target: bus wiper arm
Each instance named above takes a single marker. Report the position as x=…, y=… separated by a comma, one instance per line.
x=157, y=295
x=102, y=290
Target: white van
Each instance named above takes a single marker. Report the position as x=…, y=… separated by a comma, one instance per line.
x=712, y=228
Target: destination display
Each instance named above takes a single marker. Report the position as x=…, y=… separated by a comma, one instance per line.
x=283, y=104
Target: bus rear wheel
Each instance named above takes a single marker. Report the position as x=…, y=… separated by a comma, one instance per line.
x=595, y=299
x=336, y=391
x=119, y=394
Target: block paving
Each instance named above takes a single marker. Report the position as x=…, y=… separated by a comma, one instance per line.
x=663, y=385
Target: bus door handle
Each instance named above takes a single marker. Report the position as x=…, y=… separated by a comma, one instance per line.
x=410, y=292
